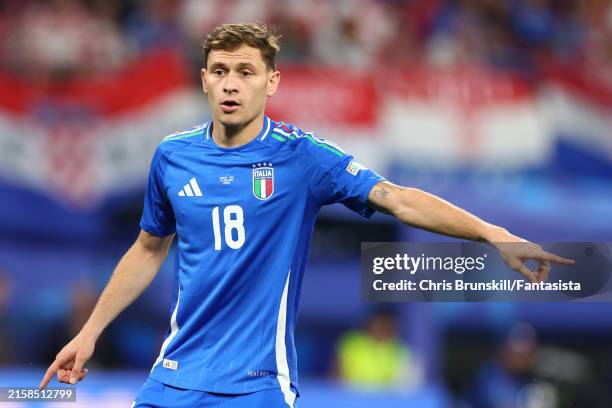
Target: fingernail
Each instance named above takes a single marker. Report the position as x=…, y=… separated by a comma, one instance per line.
x=72, y=380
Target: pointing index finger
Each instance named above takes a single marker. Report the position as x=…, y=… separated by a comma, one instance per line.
x=49, y=374
x=547, y=256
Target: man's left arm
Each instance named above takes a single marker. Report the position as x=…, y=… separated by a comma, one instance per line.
x=423, y=210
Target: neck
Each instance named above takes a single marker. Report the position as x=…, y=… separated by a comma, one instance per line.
x=236, y=135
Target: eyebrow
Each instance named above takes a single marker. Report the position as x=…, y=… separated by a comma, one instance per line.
x=240, y=65
x=246, y=65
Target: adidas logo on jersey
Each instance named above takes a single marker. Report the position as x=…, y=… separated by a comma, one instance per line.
x=191, y=189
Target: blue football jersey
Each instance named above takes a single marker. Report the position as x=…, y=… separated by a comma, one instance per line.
x=243, y=219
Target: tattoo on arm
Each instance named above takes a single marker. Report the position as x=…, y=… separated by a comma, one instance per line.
x=384, y=194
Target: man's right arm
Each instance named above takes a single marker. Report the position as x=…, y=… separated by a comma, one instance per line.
x=133, y=274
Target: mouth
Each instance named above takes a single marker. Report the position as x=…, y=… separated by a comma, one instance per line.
x=229, y=105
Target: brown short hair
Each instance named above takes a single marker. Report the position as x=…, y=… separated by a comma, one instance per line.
x=229, y=37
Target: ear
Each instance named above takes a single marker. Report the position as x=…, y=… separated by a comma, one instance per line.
x=273, y=81
x=203, y=76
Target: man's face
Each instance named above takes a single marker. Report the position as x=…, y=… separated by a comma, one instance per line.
x=237, y=84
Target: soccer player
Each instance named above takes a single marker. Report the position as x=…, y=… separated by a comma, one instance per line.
x=241, y=194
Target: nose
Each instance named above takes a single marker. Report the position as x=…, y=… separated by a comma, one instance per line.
x=229, y=86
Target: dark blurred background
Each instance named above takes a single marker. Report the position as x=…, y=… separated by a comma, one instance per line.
x=503, y=107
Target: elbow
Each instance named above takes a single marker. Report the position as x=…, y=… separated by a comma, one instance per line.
x=153, y=246
x=406, y=208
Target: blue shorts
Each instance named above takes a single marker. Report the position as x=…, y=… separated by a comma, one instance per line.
x=155, y=394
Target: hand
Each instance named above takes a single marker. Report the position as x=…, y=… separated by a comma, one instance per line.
x=514, y=251
x=69, y=361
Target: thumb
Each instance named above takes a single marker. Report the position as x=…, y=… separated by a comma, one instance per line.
x=76, y=369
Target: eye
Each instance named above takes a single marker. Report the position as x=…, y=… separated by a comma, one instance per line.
x=218, y=72
x=246, y=73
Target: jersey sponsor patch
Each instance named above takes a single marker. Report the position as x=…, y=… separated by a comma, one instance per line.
x=354, y=167
x=170, y=364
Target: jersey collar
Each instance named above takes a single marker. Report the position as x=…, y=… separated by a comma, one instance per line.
x=263, y=134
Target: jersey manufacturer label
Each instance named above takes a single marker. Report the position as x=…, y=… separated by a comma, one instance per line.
x=263, y=180
x=191, y=189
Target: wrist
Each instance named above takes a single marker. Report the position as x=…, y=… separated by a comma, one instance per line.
x=90, y=332
x=492, y=234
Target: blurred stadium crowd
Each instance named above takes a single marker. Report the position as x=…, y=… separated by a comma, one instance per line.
x=43, y=39
x=484, y=355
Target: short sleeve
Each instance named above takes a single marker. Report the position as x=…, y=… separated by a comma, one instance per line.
x=157, y=214
x=336, y=177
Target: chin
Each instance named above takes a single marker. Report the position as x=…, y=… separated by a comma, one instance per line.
x=235, y=119
x=230, y=119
